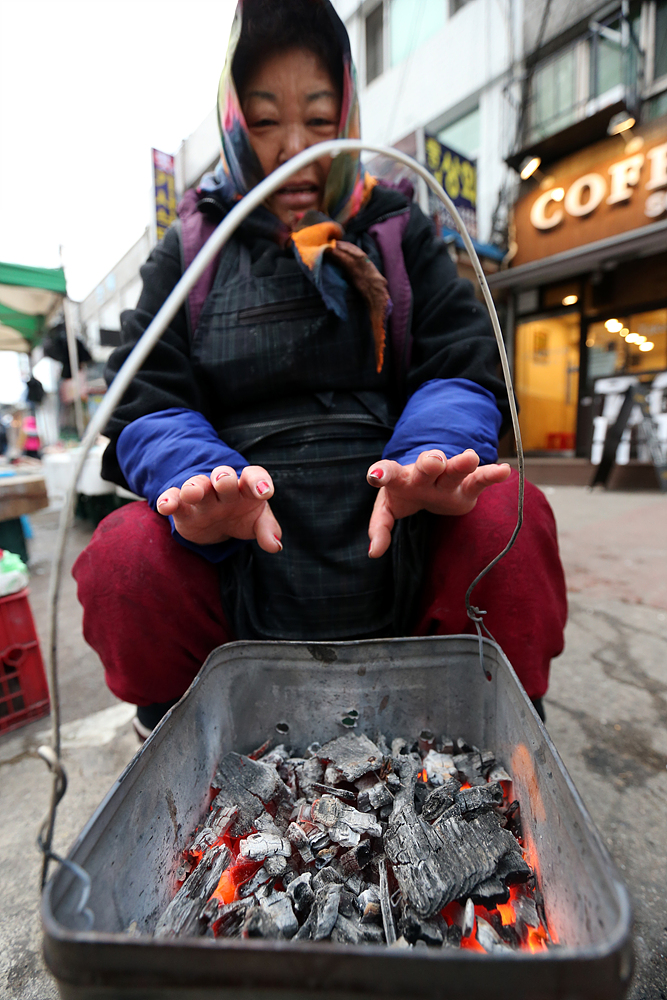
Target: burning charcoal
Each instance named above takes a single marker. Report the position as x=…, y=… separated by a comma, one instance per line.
x=301, y=893
x=307, y=774
x=393, y=782
x=354, y=883
x=489, y=939
x=183, y=914
x=260, y=751
x=445, y=744
x=401, y=943
x=228, y=919
x=330, y=812
x=385, y=812
x=344, y=835
x=184, y=870
x=325, y=909
x=415, y=929
x=275, y=757
x=258, y=924
x=313, y=749
x=350, y=931
x=526, y=911
x=276, y=866
x=259, y=879
x=258, y=846
x=512, y=869
x=510, y=936
x=453, y=937
x=439, y=799
x=439, y=767
x=426, y=741
x=347, y=904
x=326, y=856
x=318, y=840
x=349, y=757
x=468, y=925
x=368, y=905
x=326, y=876
x=221, y=819
x=498, y=773
x=490, y=892
x=250, y=785
x=513, y=818
x=376, y=797
x=469, y=766
x=340, y=793
x=279, y=909
x=398, y=747
x=357, y=858
x=479, y=797
x=298, y=838
x=265, y=823
x=204, y=879
x=461, y=746
x=488, y=760
x=385, y=905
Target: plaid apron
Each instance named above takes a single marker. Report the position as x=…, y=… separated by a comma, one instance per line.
x=297, y=392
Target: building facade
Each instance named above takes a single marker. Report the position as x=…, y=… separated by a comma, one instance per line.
x=586, y=285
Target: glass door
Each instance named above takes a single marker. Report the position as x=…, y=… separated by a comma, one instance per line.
x=547, y=382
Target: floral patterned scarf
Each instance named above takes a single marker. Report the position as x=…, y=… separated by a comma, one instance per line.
x=317, y=242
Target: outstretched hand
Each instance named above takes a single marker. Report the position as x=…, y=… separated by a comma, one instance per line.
x=434, y=483
x=214, y=509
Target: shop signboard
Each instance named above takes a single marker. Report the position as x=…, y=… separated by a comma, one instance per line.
x=609, y=188
x=458, y=176
x=164, y=191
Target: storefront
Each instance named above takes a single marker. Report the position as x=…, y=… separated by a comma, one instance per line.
x=586, y=290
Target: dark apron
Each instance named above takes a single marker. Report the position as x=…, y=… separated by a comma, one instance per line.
x=272, y=337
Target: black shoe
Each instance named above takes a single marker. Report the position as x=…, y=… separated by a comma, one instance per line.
x=539, y=708
x=148, y=716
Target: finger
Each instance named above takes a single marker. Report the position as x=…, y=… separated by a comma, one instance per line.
x=460, y=466
x=169, y=501
x=225, y=482
x=194, y=490
x=428, y=467
x=384, y=472
x=255, y=482
x=379, y=527
x=483, y=477
x=268, y=532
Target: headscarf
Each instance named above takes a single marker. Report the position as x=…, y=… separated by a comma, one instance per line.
x=348, y=188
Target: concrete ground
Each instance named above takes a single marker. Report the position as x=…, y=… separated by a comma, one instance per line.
x=606, y=712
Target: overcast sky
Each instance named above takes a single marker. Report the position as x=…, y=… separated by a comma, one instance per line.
x=87, y=87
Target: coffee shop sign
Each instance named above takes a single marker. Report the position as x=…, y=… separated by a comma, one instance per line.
x=586, y=193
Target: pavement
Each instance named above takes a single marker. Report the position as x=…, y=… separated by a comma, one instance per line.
x=606, y=712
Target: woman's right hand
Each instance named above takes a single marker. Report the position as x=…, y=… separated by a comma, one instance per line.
x=214, y=509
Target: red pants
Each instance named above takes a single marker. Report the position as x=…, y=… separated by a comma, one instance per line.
x=152, y=608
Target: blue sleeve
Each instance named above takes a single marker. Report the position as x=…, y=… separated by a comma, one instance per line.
x=448, y=414
x=163, y=449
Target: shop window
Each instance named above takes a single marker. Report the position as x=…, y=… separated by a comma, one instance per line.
x=413, y=24
x=547, y=382
x=553, y=97
x=627, y=345
x=463, y=135
x=375, y=44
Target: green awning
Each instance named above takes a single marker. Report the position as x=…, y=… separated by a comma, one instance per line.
x=29, y=296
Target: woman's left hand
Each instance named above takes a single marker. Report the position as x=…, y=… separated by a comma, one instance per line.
x=434, y=483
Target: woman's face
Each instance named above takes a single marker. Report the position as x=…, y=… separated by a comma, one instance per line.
x=290, y=103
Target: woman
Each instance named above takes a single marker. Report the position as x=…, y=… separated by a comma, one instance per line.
x=280, y=425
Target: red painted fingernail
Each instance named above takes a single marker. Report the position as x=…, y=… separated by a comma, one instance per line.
x=376, y=474
x=221, y=475
x=279, y=542
x=262, y=488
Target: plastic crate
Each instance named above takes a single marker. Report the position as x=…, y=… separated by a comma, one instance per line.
x=24, y=694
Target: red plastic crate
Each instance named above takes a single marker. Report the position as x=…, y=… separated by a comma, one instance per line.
x=24, y=694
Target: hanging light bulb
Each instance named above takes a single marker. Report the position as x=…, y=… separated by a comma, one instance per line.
x=613, y=326
x=647, y=346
